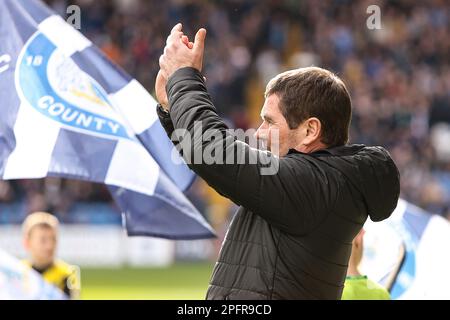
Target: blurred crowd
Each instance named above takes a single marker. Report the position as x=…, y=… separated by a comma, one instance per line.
x=398, y=76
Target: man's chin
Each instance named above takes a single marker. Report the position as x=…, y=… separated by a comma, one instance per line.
x=269, y=147
x=276, y=152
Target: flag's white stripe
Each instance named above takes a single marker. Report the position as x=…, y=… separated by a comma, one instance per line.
x=35, y=139
x=64, y=36
x=136, y=105
x=432, y=263
x=399, y=211
x=132, y=168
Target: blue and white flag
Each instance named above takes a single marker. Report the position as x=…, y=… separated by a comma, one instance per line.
x=67, y=111
x=20, y=282
x=409, y=253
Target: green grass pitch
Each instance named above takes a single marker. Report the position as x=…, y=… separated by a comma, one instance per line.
x=180, y=281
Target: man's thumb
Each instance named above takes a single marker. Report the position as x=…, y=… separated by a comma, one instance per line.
x=199, y=42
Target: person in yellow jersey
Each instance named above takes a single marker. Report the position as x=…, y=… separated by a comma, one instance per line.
x=40, y=237
x=358, y=286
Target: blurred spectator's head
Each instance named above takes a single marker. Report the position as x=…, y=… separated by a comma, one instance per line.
x=40, y=230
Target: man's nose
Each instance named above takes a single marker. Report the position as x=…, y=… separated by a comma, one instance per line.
x=258, y=134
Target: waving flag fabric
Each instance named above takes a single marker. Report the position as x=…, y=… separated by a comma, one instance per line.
x=67, y=111
x=20, y=282
x=409, y=254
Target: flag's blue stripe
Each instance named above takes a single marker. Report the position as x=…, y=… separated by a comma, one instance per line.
x=7, y=144
x=81, y=156
x=24, y=16
x=160, y=147
x=416, y=219
x=412, y=226
x=8, y=107
x=92, y=61
x=35, y=8
x=407, y=270
x=14, y=31
x=410, y=229
x=167, y=214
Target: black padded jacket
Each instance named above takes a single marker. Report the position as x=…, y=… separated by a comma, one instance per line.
x=291, y=238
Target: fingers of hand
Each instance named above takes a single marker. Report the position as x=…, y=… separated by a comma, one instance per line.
x=173, y=47
x=162, y=75
x=179, y=51
x=199, y=43
x=162, y=62
x=186, y=41
x=175, y=34
x=177, y=28
x=174, y=38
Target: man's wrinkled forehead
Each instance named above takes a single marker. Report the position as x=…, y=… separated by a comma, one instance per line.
x=270, y=106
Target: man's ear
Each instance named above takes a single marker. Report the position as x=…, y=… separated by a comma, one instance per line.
x=313, y=130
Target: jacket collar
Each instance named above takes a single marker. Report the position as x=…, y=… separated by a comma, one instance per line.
x=344, y=150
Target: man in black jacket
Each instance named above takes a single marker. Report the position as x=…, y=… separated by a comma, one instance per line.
x=292, y=235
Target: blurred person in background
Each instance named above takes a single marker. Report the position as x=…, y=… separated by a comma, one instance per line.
x=40, y=238
x=357, y=285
